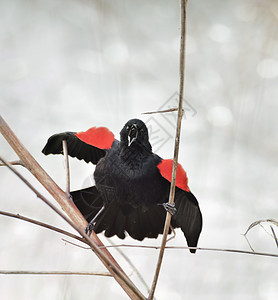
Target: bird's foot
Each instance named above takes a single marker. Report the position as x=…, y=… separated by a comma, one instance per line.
x=90, y=228
x=170, y=208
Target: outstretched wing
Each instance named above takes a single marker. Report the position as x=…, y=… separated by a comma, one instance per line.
x=90, y=145
x=188, y=215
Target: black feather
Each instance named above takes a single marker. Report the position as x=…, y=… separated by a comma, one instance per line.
x=188, y=217
x=88, y=201
x=76, y=148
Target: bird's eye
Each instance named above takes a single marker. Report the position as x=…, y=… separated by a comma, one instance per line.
x=127, y=127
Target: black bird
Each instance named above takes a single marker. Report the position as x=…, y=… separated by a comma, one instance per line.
x=132, y=184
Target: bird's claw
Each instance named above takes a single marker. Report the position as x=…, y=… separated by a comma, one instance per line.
x=170, y=208
x=89, y=228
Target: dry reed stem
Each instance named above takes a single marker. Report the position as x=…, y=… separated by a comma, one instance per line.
x=65, y=151
x=176, y=150
x=27, y=272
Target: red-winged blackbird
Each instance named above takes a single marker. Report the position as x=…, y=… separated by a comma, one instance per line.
x=132, y=184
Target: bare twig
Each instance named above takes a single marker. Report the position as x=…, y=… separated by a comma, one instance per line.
x=195, y=248
x=65, y=151
x=259, y=222
x=76, y=245
x=115, y=270
x=176, y=151
x=15, y=272
x=45, y=225
x=160, y=111
x=274, y=235
x=173, y=236
x=14, y=163
x=182, y=248
x=249, y=244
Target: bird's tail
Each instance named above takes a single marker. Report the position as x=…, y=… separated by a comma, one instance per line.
x=117, y=220
x=111, y=219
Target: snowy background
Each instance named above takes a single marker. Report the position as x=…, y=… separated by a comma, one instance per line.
x=70, y=65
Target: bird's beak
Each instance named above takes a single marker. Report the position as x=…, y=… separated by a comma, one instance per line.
x=132, y=135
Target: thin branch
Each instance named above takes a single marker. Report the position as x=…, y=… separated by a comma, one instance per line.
x=71, y=210
x=45, y=225
x=14, y=163
x=160, y=111
x=195, y=248
x=76, y=245
x=274, y=235
x=114, y=270
x=176, y=151
x=182, y=248
x=173, y=236
x=15, y=272
x=65, y=151
x=249, y=244
x=259, y=222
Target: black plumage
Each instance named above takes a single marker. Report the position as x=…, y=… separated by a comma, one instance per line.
x=129, y=187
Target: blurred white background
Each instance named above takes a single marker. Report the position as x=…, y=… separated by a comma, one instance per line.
x=70, y=65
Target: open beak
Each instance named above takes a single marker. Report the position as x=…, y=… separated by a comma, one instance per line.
x=132, y=135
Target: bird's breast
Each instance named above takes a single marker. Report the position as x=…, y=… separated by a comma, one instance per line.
x=134, y=182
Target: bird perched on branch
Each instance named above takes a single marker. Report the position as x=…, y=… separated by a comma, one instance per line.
x=132, y=184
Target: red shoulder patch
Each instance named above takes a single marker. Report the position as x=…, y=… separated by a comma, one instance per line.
x=100, y=137
x=166, y=167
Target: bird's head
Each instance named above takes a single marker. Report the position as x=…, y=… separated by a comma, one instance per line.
x=135, y=132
